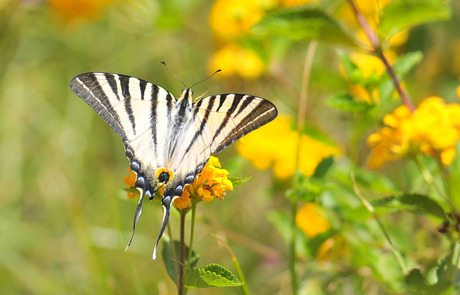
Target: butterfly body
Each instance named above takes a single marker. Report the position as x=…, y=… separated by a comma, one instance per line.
x=167, y=140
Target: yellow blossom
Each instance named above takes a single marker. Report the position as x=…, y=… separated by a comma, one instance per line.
x=432, y=129
x=333, y=248
x=264, y=149
x=235, y=60
x=288, y=3
x=369, y=9
x=230, y=19
x=311, y=220
x=73, y=11
x=371, y=68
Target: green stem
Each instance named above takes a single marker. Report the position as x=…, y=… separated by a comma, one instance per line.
x=173, y=250
x=292, y=251
x=454, y=263
x=192, y=232
x=370, y=208
x=300, y=126
x=182, y=252
x=235, y=263
x=244, y=287
x=428, y=177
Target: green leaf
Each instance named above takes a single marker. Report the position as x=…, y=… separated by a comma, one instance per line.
x=213, y=275
x=416, y=203
x=407, y=62
x=354, y=73
x=172, y=262
x=403, y=14
x=416, y=280
x=131, y=189
x=239, y=180
x=419, y=284
x=323, y=167
x=346, y=102
x=303, y=23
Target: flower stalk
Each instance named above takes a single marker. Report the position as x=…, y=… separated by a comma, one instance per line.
x=378, y=51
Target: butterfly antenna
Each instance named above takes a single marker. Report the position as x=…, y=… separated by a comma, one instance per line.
x=210, y=76
x=166, y=203
x=174, y=75
x=136, y=218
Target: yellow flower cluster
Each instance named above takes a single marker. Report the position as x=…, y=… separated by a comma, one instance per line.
x=276, y=144
x=369, y=64
x=72, y=12
x=433, y=129
x=311, y=220
x=210, y=183
x=233, y=59
x=231, y=21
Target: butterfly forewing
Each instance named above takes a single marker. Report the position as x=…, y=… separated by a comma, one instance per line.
x=159, y=131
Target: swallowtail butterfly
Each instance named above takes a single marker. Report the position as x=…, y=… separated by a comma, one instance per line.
x=168, y=140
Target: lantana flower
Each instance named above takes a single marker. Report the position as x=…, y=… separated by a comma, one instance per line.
x=276, y=145
x=311, y=220
x=72, y=12
x=233, y=59
x=211, y=183
x=432, y=129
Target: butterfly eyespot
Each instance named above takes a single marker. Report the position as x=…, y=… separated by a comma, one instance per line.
x=135, y=166
x=178, y=191
x=189, y=179
x=164, y=175
x=148, y=194
x=140, y=182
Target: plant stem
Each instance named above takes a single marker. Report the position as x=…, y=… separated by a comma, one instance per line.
x=173, y=250
x=429, y=179
x=454, y=263
x=300, y=126
x=182, y=252
x=192, y=232
x=370, y=208
x=292, y=251
x=378, y=51
x=244, y=287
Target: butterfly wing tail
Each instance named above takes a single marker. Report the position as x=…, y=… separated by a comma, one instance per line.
x=166, y=203
x=136, y=218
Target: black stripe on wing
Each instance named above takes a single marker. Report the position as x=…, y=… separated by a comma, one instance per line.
x=258, y=115
x=238, y=115
x=88, y=88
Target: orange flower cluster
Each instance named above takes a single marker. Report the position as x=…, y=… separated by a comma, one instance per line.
x=433, y=129
x=211, y=183
x=72, y=12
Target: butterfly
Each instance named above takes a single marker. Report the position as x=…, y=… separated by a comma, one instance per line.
x=168, y=140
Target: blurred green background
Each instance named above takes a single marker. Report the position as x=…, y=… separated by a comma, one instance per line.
x=64, y=218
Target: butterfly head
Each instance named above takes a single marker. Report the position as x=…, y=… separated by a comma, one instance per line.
x=187, y=94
